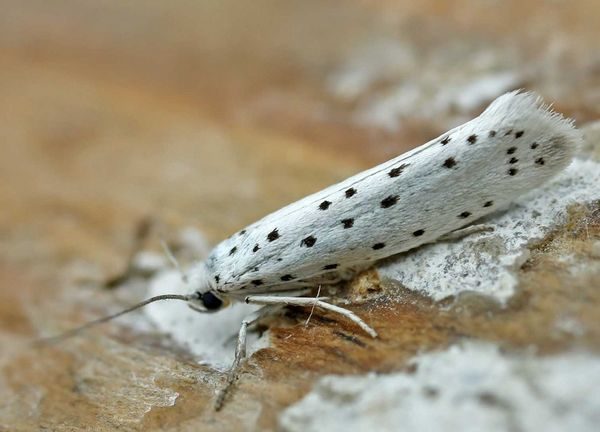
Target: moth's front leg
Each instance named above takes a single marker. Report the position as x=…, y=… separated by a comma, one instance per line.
x=240, y=352
x=305, y=301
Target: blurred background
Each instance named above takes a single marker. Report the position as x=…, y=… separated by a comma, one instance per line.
x=213, y=113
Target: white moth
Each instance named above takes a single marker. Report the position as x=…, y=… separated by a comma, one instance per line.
x=515, y=145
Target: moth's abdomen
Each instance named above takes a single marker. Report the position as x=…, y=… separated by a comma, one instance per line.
x=472, y=170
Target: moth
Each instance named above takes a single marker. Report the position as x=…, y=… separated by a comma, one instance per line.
x=434, y=191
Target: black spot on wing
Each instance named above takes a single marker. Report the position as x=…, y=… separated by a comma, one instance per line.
x=389, y=201
x=273, y=235
x=348, y=223
x=308, y=241
x=324, y=205
x=350, y=192
x=449, y=163
x=395, y=172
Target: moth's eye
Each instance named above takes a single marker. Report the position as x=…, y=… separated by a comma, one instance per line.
x=211, y=302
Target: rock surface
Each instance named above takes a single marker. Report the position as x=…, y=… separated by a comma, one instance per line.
x=212, y=114
x=472, y=387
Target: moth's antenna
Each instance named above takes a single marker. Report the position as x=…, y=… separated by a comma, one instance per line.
x=142, y=232
x=173, y=260
x=77, y=330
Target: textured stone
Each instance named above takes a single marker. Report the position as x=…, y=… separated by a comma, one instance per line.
x=212, y=114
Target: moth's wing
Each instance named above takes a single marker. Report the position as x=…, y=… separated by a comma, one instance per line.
x=466, y=173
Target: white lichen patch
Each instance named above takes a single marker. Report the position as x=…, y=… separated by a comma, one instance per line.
x=487, y=262
x=211, y=337
x=390, y=81
x=406, y=100
x=472, y=387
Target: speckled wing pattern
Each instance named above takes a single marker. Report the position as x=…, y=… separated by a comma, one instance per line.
x=515, y=145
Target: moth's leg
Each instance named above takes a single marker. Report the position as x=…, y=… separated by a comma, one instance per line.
x=312, y=310
x=466, y=231
x=304, y=301
x=240, y=352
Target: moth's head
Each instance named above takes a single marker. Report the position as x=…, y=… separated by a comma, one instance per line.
x=208, y=301
x=205, y=297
